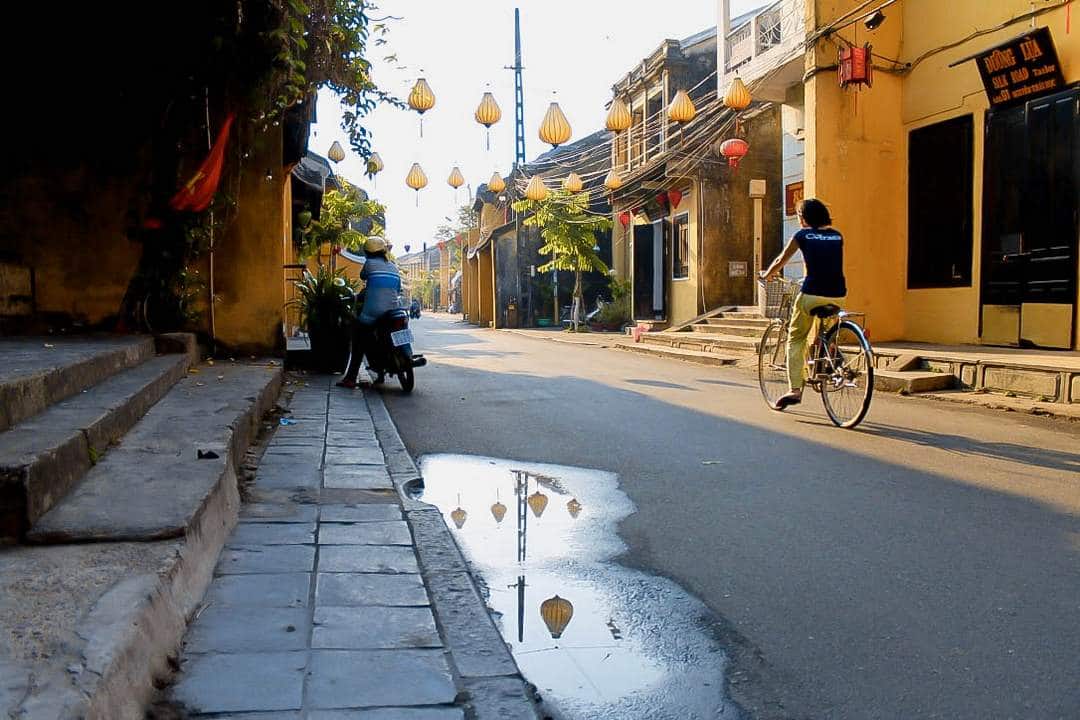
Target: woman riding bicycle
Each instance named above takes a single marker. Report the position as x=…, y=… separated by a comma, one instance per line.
x=822, y=247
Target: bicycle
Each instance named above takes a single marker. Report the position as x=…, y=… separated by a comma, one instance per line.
x=839, y=364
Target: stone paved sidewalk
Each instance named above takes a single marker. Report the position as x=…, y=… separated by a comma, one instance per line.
x=317, y=609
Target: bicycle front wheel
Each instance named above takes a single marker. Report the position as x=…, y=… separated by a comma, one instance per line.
x=772, y=362
x=847, y=391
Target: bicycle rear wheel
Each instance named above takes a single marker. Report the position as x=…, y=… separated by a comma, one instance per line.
x=772, y=362
x=847, y=391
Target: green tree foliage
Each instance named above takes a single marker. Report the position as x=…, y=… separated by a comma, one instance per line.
x=342, y=211
x=568, y=230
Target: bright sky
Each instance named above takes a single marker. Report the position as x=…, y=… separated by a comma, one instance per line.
x=577, y=48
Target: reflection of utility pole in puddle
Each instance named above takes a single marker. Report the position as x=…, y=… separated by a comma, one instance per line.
x=521, y=488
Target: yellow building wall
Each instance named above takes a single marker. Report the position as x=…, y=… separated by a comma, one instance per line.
x=856, y=150
x=685, y=294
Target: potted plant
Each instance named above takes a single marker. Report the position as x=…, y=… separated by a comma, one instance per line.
x=615, y=314
x=327, y=308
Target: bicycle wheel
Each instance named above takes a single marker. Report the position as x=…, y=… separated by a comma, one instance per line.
x=847, y=390
x=772, y=362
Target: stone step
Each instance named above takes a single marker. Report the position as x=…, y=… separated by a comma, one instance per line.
x=694, y=356
x=742, y=315
x=43, y=457
x=753, y=331
x=912, y=381
x=726, y=319
x=36, y=372
x=702, y=341
x=112, y=614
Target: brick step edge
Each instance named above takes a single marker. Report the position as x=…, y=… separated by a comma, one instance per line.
x=139, y=624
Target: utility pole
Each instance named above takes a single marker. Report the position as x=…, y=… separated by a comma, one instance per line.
x=519, y=95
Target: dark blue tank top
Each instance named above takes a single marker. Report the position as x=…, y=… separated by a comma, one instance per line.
x=823, y=252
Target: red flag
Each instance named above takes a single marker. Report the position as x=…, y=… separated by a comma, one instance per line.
x=197, y=192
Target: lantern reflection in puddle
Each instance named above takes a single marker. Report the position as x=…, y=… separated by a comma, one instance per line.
x=556, y=613
x=574, y=508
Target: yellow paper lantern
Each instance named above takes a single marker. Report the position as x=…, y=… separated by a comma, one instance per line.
x=613, y=180
x=458, y=516
x=555, y=129
x=456, y=179
x=488, y=112
x=681, y=109
x=618, y=117
x=574, y=508
x=537, y=502
x=498, y=511
x=496, y=184
x=416, y=179
x=336, y=153
x=572, y=183
x=536, y=190
x=556, y=613
x=737, y=96
x=421, y=98
x=374, y=164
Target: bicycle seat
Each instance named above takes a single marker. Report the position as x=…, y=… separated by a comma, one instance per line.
x=826, y=311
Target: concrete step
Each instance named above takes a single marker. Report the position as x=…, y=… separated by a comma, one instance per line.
x=702, y=342
x=112, y=614
x=36, y=372
x=694, y=356
x=757, y=322
x=729, y=328
x=742, y=315
x=43, y=457
x=912, y=381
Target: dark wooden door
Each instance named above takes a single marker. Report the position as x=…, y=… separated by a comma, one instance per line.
x=644, y=271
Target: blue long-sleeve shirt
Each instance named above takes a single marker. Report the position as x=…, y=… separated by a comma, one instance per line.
x=383, y=284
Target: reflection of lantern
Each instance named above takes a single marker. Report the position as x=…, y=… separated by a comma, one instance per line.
x=416, y=179
x=854, y=67
x=557, y=613
x=613, y=181
x=574, y=508
x=496, y=184
x=374, y=164
x=536, y=190
x=555, y=129
x=681, y=109
x=572, y=183
x=458, y=516
x=336, y=153
x=498, y=511
x=737, y=96
x=487, y=114
x=538, y=501
x=456, y=179
x=421, y=99
x=618, y=117
x=734, y=150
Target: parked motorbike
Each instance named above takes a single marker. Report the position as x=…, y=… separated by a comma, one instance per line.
x=392, y=353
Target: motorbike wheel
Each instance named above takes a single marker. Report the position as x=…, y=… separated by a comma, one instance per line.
x=405, y=377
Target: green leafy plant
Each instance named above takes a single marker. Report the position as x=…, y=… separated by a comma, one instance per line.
x=342, y=212
x=568, y=230
x=326, y=300
x=617, y=312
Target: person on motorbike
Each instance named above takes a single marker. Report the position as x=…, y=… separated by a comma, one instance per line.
x=414, y=308
x=382, y=284
x=823, y=252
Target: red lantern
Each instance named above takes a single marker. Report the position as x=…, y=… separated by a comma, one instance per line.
x=675, y=197
x=734, y=150
x=624, y=218
x=662, y=198
x=854, y=67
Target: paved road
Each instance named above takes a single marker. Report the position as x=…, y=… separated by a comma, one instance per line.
x=926, y=565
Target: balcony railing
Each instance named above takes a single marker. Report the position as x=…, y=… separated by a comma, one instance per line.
x=779, y=24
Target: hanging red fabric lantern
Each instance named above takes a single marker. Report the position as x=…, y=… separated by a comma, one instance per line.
x=675, y=197
x=624, y=218
x=734, y=150
x=662, y=198
x=854, y=66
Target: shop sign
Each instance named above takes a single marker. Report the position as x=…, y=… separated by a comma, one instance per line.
x=1021, y=69
x=793, y=195
x=737, y=269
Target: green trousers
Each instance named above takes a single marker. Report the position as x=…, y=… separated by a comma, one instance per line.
x=802, y=322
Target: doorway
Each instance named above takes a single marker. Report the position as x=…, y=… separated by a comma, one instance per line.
x=651, y=253
x=1031, y=229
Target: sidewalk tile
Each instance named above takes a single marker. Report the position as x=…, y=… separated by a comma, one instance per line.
x=309, y=454
x=359, y=477
x=349, y=438
x=226, y=629
x=271, y=590
x=369, y=512
x=355, y=455
x=428, y=713
x=394, y=559
x=371, y=533
x=255, y=533
x=367, y=678
x=279, y=474
x=242, y=559
x=284, y=512
x=374, y=628
x=354, y=589
x=251, y=681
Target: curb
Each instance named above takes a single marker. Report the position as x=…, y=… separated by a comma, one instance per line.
x=494, y=688
x=564, y=341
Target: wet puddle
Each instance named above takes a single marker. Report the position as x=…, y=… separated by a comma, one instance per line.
x=599, y=641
